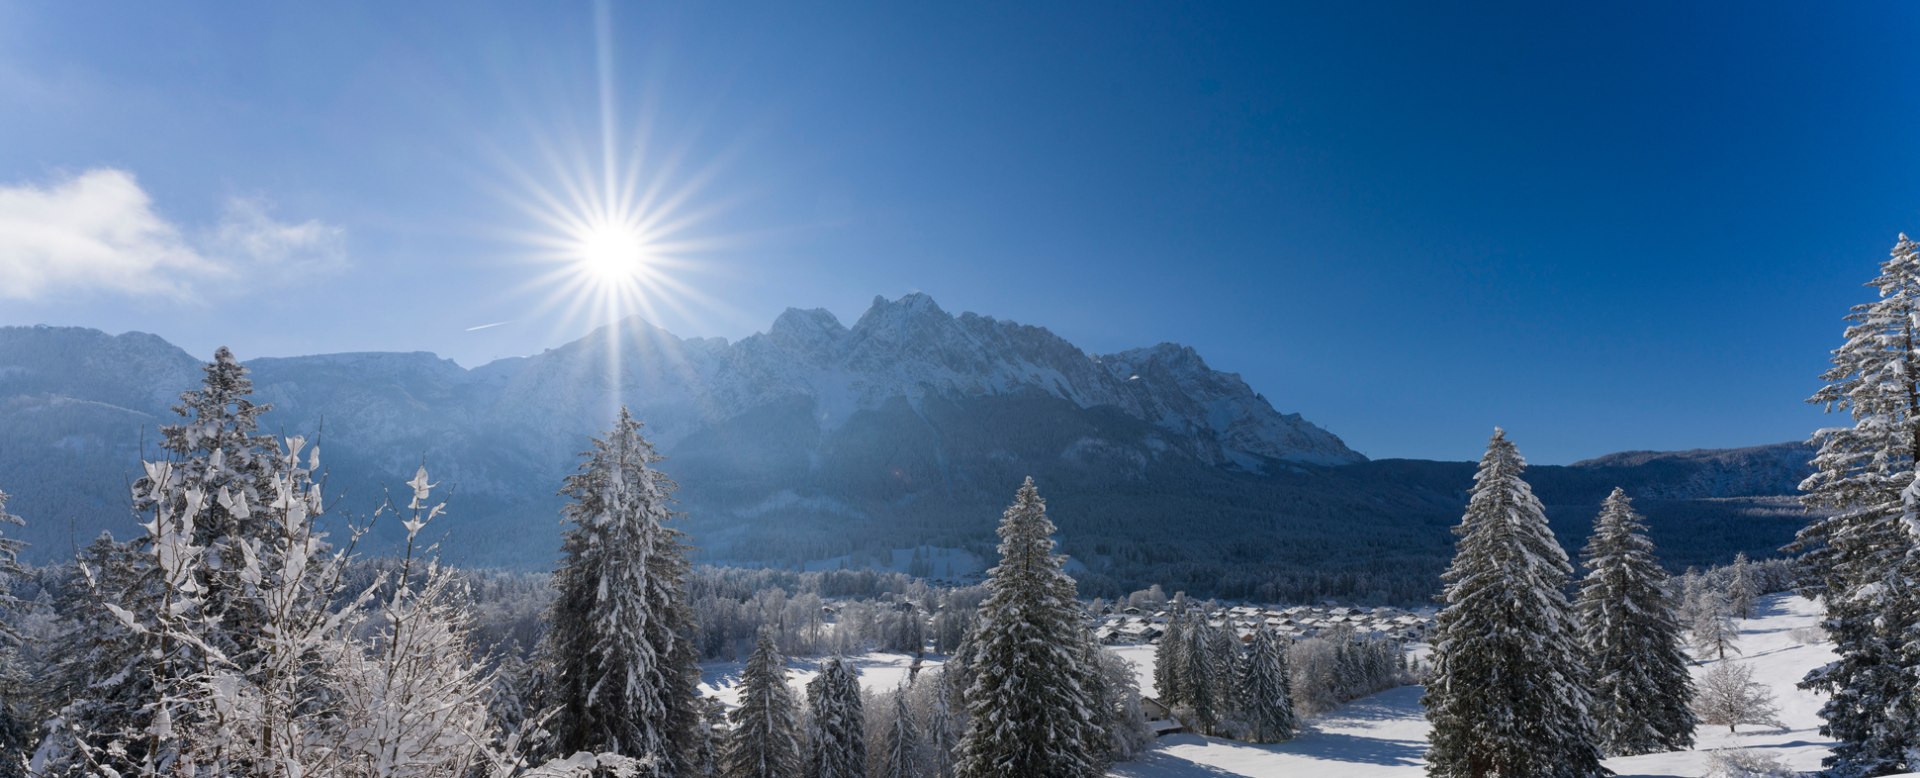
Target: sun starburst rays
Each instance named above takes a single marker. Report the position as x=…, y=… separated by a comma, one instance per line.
x=616, y=222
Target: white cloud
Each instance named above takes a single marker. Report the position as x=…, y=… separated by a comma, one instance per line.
x=98, y=232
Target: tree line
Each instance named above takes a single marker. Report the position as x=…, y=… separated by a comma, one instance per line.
x=235, y=637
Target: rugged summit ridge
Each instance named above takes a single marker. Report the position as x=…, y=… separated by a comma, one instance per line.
x=912, y=349
x=910, y=414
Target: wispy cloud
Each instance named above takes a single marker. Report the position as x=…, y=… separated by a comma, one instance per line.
x=98, y=232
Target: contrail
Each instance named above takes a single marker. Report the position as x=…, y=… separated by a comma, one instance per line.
x=488, y=326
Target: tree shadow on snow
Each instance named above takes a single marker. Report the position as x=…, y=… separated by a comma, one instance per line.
x=1771, y=606
x=1341, y=747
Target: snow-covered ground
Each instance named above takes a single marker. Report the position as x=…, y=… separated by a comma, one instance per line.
x=878, y=672
x=1386, y=734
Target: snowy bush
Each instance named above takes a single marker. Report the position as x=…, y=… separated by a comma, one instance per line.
x=1746, y=763
x=1728, y=696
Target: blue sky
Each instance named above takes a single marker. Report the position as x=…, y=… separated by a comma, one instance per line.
x=1608, y=227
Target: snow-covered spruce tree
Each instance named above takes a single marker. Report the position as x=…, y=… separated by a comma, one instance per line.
x=93, y=650
x=9, y=568
x=1266, y=693
x=1631, y=635
x=1029, y=712
x=217, y=451
x=765, y=741
x=1857, y=552
x=1223, y=648
x=709, y=747
x=1506, y=696
x=15, y=727
x=901, y=758
x=1166, y=663
x=836, y=725
x=620, y=674
x=941, y=729
x=216, y=457
x=194, y=707
x=1714, y=632
x=1199, y=678
x=1742, y=590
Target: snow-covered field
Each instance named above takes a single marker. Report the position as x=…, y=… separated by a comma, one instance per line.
x=878, y=672
x=1386, y=734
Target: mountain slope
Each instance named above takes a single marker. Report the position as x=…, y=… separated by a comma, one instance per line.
x=815, y=440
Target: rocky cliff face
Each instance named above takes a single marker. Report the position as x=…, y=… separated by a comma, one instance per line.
x=910, y=402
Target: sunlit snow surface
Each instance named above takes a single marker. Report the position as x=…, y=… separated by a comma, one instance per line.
x=879, y=672
x=1386, y=734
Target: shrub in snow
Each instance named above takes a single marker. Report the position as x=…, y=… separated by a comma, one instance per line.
x=1730, y=697
x=1746, y=763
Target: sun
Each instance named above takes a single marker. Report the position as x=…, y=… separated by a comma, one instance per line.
x=611, y=253
x=616, y=229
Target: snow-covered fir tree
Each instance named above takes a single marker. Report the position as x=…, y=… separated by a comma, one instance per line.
x=765, y=740
x=196, y=707
x=1714, y=631
x=1224, y=653
x=1166, y=662
x=15, y=727
x=1642, y=691
x=619, y=666
x=836, y=726
x=1742, y=590
x=1861, y=553
x=709, y=746
x=217, y=461
x=1200, y=674
x=901, y=756
x=1266, y=691
x=942, y=729
x=1029, y=712
x=1506, y=696
x=217, y=451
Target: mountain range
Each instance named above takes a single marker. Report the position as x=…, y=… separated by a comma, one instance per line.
x=817, y=443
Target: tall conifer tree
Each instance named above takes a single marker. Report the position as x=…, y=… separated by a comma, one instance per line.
x=1642, y=692
x=1166, y=662
x=902, y=757
x=1861, y=553
x=1030, y=713
x=765, y=742
x=14, y=726
x=1201, y=672
x=1507, y=695
x=1266, y=692
x=620, y=674
x=836, y=723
